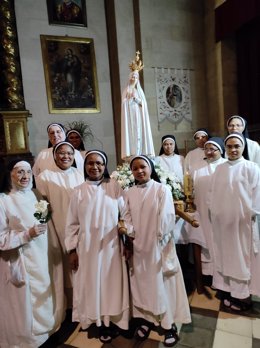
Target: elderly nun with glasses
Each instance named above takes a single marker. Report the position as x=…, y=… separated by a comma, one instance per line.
x=31, y=302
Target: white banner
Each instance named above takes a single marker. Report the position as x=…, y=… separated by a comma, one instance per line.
x=173, y=94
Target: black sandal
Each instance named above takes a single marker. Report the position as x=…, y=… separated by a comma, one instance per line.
x=171, y=337
x=236, y=305
x=142, y=332
x=240, y=306
x=105, y=335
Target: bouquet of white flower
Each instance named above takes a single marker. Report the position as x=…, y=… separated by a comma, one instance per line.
x=124, y=176
x=171, y=180
x=126, y=179
x=42, y=212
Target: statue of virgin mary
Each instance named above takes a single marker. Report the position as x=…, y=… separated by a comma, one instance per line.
x=136, y=135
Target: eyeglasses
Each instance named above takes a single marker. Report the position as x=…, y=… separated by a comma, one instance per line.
x=63, y=153
x=211, y=150
x=92, y=164
x=22, y=172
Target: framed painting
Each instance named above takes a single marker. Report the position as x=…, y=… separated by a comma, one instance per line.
x=67, y=12
x=70, y=74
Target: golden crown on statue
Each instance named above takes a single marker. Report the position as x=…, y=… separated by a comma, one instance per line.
x=136, y=64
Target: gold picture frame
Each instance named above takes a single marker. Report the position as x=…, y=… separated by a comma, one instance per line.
x=68, y=13
x=70, y=74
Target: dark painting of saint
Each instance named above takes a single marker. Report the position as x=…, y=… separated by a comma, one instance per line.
x=174, y=96
x=70, y=12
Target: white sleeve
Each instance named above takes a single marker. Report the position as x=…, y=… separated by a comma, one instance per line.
x=10, y=238
x=72, y=223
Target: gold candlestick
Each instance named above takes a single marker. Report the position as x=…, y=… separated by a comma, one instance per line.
x=188, y=192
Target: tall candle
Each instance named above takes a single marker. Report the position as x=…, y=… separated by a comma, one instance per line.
x=188, y=186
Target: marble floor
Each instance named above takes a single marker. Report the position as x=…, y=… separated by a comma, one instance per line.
x=212, y=327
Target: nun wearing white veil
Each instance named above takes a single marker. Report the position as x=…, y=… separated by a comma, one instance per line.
x=31, y=297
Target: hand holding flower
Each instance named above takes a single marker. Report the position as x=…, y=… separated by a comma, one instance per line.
x=37, y=230
x=42, y=212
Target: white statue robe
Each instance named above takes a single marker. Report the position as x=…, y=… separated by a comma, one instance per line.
x=31, y=299
x=159, y=299
x=234, y=200
x=136, y=134
x=173, y=163
x=45, y=160
x=100, y=284
x=194, y=160
x=57, y=186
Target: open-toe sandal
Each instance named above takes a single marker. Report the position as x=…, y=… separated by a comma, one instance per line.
x=105, y=336
x=142, y=332
x=236, y=305
x=240, y=306
x=171, y=337
x=227, y=303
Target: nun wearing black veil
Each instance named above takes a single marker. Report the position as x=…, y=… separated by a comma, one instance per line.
x=44, y=160
x=234, y=203
x=169, y=157
x=195, y=158
x=251, y=151
x=157, y=287
x=100, y=289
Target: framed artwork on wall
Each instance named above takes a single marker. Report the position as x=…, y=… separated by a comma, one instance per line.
x=70, y=74
x=67, y=12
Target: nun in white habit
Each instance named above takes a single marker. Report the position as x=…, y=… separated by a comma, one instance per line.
x=44, y=160
x=214, y=152
x=195, y=158
x=100, y=293
x=157, y=287
x=30, y=298
x=251, y=151
x=234, y=203
x=57, y=185
x=169, y=157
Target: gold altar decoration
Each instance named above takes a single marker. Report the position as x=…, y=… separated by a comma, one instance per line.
x=14, y=133
x=13, y=116
x=12, y=98
x=188, y=192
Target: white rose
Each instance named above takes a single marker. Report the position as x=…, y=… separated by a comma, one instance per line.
x=41, y=206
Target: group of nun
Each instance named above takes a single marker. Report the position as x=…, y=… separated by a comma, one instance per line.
x=226, y=180
x=79, y=258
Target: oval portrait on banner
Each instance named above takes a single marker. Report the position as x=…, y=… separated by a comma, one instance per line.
x=174, y=95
